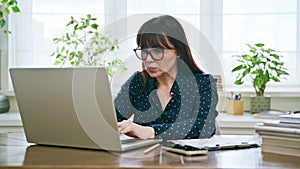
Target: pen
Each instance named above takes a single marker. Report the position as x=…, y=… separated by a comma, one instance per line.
x=148, y=150
x=231, y=96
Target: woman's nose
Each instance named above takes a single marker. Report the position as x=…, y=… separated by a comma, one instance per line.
x=149, y=58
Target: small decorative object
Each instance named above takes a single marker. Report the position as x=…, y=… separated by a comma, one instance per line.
x=85, y=45
x=4, y=104
x=235, y=104
x=235, y=107
x=261, y=66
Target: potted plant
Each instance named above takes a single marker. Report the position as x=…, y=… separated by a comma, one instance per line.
x=6, y=6
x=262, y=66
x=85, y=45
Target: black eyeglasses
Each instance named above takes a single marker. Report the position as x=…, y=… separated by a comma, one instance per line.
x=155, y=53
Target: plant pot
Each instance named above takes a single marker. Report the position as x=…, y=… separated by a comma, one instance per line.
x=4, y=104
x=259, y=103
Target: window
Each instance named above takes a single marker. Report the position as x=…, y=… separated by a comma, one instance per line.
x=227, y=24
x=38, y=23
x=273, y=22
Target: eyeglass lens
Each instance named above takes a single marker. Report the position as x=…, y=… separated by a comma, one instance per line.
x=156, y=53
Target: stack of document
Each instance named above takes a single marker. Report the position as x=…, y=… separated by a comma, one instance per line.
x=269, y=114
x=218, y=79
x=222, y=142
x=282, y=137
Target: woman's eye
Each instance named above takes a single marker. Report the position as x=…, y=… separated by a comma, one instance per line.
x=144, y=52
x=157, y=51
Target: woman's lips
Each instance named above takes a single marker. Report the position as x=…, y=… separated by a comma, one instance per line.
x=152, y=69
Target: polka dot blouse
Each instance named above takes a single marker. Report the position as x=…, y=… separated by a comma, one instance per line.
x=190, y=113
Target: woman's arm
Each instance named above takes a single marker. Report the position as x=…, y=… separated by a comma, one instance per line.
x=123, y=105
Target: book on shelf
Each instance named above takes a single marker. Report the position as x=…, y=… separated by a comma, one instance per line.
x=281, y=141
x=269, y=114
x=262, y=127
x=271, y=133
x=290, y=118
x=278, y=124
x=218, y=79
x=280, y=150
x=279, y=138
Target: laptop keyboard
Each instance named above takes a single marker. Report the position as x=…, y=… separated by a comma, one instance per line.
x=126, y=141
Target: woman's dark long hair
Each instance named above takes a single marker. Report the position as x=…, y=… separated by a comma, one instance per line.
x=160, y=32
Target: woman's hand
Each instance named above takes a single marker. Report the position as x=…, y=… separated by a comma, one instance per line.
x=135, y=130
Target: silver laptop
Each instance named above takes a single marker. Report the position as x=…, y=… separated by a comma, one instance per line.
x=69, y=107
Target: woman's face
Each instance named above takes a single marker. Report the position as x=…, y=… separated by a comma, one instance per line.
x=165, y=66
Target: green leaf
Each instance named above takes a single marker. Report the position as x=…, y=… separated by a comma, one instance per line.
x=268, y=50
x=274, y=78
x=7, y=11
x=275, y=56
x=16, y=9
x=63, y=49
x=267, y=76
x=57, y=63
x=88, y=16
x=281, y=72
x=259, y=44
x=94, y=26
x=255, y=72
x=68, y=36
x=238, y=82
x=249, y=46
x=2, y=23
x=10, y=3
x=80, y=54
x=253, y=50
x=257, y=82
x=58, y=56
x=247, y=57
x=112, y=48
x=247, y=71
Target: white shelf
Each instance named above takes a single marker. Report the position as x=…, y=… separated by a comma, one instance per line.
x=273, y=92
x=10, y=122
x=10, y=119
x=239, y=124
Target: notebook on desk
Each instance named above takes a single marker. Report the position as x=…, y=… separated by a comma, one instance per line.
x=70, y=107
x=222, y=142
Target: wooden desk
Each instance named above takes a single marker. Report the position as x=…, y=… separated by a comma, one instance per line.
x=15, y=152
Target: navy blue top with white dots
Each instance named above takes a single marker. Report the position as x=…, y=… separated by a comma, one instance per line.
x=190, y=113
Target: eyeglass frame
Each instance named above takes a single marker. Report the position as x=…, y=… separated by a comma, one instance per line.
x=149, y=53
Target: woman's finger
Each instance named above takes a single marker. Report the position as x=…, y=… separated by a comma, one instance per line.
x=125, y=130
x=121, y=123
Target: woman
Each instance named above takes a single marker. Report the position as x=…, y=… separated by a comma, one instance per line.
x=171, y=98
